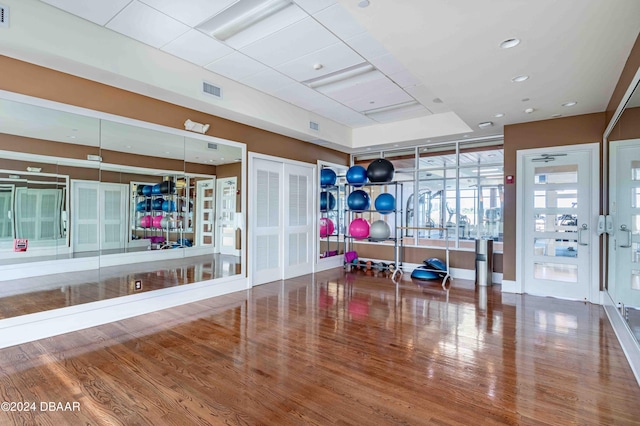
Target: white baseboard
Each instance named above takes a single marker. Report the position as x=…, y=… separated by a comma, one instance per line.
x=509, y=286
x=628, y=342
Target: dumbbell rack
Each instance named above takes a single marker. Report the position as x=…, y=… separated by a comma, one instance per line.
x=396, y=226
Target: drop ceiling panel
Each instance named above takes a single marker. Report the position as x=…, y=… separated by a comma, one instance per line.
x=342, y=114
x=333, y=58
x=348, y=92
x=300, y=95
x=190, y=12
x=193, y=46
x=147, y=25
x=388, y=64
x=379, y=99
x=236, y=66
x=267, y=26
x=97, y=11
x=268, y=81
x=423, y=95
x=313, y=6
x=296, y=40
x=367, y=46
x=400, y=114
x=404, y=79
x=339, y=21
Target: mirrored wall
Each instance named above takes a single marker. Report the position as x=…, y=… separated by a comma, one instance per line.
x=94, y=206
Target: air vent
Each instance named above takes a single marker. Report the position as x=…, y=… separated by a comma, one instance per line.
x=212, y=145
x=212, y=90
x=4, y=16
x=314, y=126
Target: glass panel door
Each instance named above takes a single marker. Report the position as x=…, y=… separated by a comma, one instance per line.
x=557, y=202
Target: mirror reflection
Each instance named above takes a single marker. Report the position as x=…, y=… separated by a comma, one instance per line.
x=92, y=209
x=624, y=239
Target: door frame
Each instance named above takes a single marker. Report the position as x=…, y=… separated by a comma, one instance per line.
x=218, y=210
x=251, y=216
x=594, y=294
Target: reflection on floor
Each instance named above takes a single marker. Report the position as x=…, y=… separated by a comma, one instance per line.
x=335, y=348
x=37, y=294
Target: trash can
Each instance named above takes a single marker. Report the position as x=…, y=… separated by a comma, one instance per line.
x=484, y=262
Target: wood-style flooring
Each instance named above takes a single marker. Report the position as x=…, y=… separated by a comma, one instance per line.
x=334, y=348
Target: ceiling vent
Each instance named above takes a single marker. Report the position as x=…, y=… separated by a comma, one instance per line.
x=314, y=126
x=211, y=89
x=212, y=145
x=4, y=16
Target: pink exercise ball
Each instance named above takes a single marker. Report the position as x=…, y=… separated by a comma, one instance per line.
x=359, y=228
x=145, y=221
x=326, y=227
x=157, y=221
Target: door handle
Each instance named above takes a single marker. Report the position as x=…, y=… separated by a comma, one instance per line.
x=624, y=228
x=584, y=227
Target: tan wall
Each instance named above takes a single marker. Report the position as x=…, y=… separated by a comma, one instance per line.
x=579, y=129
x=28, y=79
x=628, y=126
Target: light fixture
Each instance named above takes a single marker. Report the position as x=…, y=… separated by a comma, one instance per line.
x=240, y=16
x=34, y=169
x=509, y=43
x=363, y=3
x=499, y=115
x=525, y=99
x=569, y=104
x=401, y=107
x=195, y=127
x=520, y=78
x=437, y=101
x=485, y=124
x=529, y=110
x=318, y=66
x=556, y=115
x=355, y=74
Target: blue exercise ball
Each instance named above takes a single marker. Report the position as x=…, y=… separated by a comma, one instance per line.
x=146, y=190
x=422, y=274
x=357, y=175
x=358, y=200
x=380, y=170
x=385, y=203
x=155, y=189
x=327, y=201
x=143, y=206
x=168, y=206
x=327, y=177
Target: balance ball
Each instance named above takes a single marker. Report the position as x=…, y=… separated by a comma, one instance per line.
x=145, y=221
x=422, y=274
x=327, y=201
x=357, y=175
x=380, y=170
x=139, y=190
x=139, y=222
x=156, y=221
x=359, y=228
x=168, y=206
x=143, y=206
x=326, y=227
x=435, y=263
x=167, y=223
x=385, y=203
x=155, y=189
x=358, y=200
x=146, y=190
x=167, y=187
x=327, y=177
x=379, y=230
x=156, y=203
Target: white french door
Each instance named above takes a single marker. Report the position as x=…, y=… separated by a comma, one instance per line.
x=559, y=246
x=624, y=207
x=226, y=200
x=113, y=215
x=281, y=219
x=205, y=211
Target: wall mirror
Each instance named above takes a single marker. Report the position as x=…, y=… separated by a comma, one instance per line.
x=94, y=206
x=623, y=280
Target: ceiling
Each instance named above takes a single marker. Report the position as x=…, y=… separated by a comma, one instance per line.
x=433, y=66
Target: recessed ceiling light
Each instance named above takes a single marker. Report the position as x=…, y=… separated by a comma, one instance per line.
x=363, y=3
x=529, y=110
x=318, y=66
x=485, y=124
x=520, y=78
x=499, y=115
x=71, y=137
x=569, y=104
x=128, y=146
x=437, y=100
x=556, y=115
x=525, y=99
x=509, y=43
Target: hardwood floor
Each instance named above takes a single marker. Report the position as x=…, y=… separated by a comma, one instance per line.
x=334, y=348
